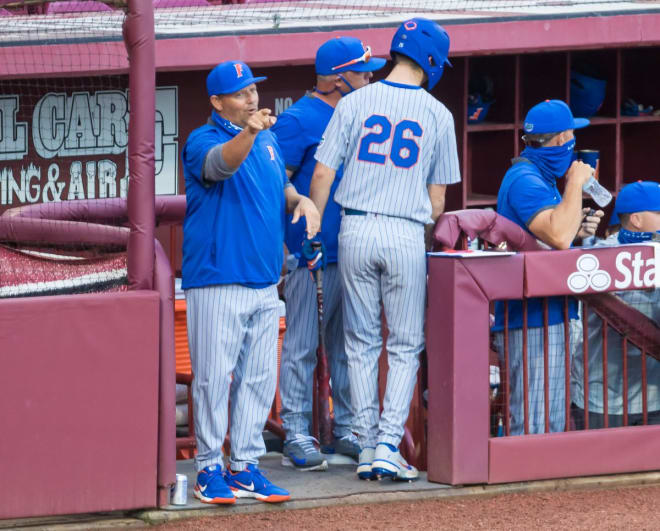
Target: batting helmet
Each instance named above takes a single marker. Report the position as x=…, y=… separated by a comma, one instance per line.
x=426, y=43
x=587, y=94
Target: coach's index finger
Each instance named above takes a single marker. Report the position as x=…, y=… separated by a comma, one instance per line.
x=266, y=119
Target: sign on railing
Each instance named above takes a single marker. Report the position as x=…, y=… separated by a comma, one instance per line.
x=592, y=270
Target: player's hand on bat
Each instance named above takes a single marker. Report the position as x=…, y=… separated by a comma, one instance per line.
x=260, y=121
x=307, y=208
x=314, y=252
x=591, y=220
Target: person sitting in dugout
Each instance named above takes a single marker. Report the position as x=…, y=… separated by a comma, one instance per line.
x=529, y=197
x=637, y=210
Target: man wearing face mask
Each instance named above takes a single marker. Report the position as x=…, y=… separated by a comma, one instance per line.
x=343, y=64
x=529, y=197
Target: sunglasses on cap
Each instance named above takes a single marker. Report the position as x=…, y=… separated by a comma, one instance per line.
x=364, y=58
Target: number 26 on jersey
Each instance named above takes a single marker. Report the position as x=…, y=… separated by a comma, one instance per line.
x=404, y=150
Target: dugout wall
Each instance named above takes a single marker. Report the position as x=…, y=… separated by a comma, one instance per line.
x=90, y=373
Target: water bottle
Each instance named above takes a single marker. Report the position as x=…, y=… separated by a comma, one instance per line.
x=598, y=193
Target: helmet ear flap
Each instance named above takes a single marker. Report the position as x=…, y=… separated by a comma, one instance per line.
x=436, y=68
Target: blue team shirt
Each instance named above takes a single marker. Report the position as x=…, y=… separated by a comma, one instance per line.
x=524, y=193
x=299, y=130
x=233, y=229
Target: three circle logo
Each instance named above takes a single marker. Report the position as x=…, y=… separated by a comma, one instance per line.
x=588, y=275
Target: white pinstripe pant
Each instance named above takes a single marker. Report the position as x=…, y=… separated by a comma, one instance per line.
x=382, y=258
x=299, y=352
x=535, y=376
x=232, y=330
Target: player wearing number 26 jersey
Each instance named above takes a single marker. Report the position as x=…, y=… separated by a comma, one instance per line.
x=398, y=148
x=393, y=140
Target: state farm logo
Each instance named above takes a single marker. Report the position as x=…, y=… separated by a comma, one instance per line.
x=588, y=275
x=633, y=271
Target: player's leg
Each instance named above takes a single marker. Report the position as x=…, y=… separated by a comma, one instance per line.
x=297, y=372
x=515, y=376
x=345, y=443
x=215, y=337
x=557, y=377
x=360, y=276
x=252, y=393
x=535, y=379
x=404, y=297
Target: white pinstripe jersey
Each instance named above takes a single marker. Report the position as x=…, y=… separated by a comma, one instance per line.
x=393, y=140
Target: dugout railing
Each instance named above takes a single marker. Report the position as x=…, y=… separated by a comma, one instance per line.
x=463, y=447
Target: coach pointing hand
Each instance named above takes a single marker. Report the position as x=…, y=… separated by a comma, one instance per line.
x=260, y=120
x=237, y=192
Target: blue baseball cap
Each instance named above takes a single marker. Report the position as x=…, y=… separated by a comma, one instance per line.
x=230, y=77
x=636, y=197
x=342, y=54
x=551, y=116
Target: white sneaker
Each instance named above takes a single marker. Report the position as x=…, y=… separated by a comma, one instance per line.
x=389, y=463
x=364, y=463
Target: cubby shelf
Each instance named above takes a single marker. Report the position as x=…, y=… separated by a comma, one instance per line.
x=481, y=200
x=627, y=144
x=639, y=119
x=489, y=126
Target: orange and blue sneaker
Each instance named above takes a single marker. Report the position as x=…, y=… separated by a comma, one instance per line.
x=211, y=486
x=251, y=483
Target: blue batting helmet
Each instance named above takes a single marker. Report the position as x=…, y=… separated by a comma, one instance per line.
x=426, y=43
x=587, y=94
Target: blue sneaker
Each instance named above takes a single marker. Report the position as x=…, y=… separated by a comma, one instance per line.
x=251, y=483
x=211, y=486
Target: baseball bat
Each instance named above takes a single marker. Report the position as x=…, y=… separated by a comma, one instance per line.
x=322, y=372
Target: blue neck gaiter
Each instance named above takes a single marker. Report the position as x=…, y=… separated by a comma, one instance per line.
x=553, y=162
x=628, y=236
x=225, y=124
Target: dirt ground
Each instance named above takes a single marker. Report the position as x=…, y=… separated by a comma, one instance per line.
x=625, y=508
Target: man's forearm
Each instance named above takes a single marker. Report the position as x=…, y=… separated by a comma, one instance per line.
x=236, y=150
x=558, y=226
x=319, y=188
x=437, y=196
x=292, y=198
x=566, y=218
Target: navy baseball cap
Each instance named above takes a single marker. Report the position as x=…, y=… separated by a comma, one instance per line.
x=342, y=54
x=636, y=197
x=230, y=77
x=551, y=116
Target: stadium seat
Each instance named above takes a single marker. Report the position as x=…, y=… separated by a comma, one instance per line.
x=180, y=3
x=76, y=6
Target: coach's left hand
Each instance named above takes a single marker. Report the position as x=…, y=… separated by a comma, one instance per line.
x=307, y=208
